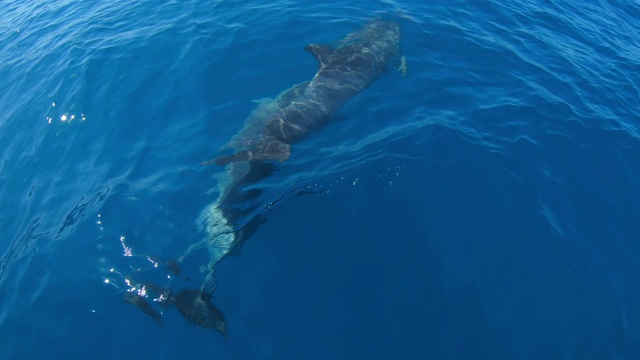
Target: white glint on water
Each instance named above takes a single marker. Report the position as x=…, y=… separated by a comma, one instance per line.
x=127, y=250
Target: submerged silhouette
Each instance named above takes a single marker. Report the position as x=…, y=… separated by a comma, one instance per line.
x=194, y=305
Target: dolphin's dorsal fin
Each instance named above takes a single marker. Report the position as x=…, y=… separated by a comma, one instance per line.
x=321, y=52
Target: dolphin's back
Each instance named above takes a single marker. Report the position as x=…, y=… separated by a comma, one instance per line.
x=343, y=72
x=360, y=59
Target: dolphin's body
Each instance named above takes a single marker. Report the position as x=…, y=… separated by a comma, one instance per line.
x=271, y=129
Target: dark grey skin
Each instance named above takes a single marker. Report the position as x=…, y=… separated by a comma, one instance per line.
x=344, y=71
x=141, y=303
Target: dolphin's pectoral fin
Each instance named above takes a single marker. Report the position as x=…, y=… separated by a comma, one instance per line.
x=270, y=150
x=321, y=52
x=228, y=159
x=220, y=160
x=209, y=162
x=261, y=150
x=285, y=98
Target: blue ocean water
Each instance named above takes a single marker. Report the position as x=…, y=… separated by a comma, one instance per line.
x=483, y=207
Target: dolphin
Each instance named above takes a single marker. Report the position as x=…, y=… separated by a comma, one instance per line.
x=270, y=131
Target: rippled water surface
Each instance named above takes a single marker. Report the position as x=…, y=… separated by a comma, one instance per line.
x=485, y=206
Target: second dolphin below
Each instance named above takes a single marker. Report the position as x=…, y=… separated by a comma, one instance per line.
x=193, y=304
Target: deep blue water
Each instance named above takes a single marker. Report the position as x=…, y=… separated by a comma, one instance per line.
x=484, y=207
